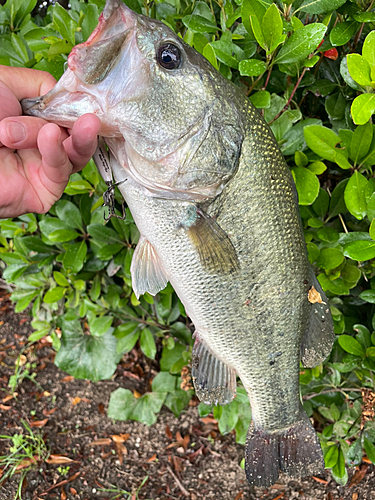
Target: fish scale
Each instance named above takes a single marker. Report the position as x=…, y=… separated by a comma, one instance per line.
x=217, y=212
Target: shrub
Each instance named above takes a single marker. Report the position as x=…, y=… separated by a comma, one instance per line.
x=309, y=68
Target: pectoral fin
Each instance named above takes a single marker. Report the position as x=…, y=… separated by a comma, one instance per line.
x=216, y=251
x=147, y=270
x=319, y=336
x=214, y=381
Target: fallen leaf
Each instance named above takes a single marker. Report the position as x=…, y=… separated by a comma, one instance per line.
x=68, y=378
x=358, y=475
x=46, y=394
x=10, y=396
x=63, y=495
x=318, y=480
x=5, y=408
x=364, y=458
x=101, y=442
x=120, y=438
x=39, y=423
x=279, y=496
x=101, y=409
x=58, y=459
x=76, y=400
x=24, y=320
x=168, y=432
x=355, y=496
x=314, y=296
x=137, y=394
x=73, y=491
x=26, y=463
x=209, y=420
x=152, y=459
x=121, y=450
x=49, y=412
x=239, y=495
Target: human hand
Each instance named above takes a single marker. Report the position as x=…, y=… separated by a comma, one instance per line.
x=37, y=157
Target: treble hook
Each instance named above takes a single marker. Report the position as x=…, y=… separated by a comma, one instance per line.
x=109, y=201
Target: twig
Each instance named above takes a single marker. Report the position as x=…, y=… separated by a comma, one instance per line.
x=305, y=398
x=291, y=97
x=183, y=491
x=7, y=286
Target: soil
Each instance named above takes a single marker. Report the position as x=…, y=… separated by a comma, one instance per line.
x=176, y=458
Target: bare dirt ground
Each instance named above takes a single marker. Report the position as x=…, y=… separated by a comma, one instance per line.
x=177, y=458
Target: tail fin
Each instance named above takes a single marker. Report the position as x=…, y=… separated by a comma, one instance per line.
x=294, y=450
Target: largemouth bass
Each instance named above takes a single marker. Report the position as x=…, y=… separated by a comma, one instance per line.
x=217, y=211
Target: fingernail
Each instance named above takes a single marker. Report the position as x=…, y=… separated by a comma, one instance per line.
x=16, y=131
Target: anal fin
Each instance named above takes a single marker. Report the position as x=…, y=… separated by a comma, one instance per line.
x=146, y=270
x=214, y=381
x=319, y=337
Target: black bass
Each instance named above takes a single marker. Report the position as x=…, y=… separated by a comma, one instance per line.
x=217, y=211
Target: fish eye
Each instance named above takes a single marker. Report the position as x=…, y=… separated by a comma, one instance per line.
x=169, y=56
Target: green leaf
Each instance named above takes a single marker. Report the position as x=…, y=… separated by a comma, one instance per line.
x=317, y=167
x=363, y=108
x=164, y=382
x=331, y=456
x=307, y=185
x=320, y=6
x=177, y=400
x=337, y=203
x=63, y=235
x=127, y=342
x=60, y=279
x=121, y=404
x=361, y=141
x=199, y=24
x=74, y=257
x=86, y=356
x=24, y=301
x=323, y=141
x=19, y=47
x=368, y=296
x=69, y=214
x=170, y=356
x=210, y=55
x=330, y=258
x=252, y=67
x=228, y=418
x=355, y=199
x=146, y=407
x=360, y=250
x=369, y=449
x=103, y=233
x=63, y=23
x=359, y=69
x=90, y=21
x=272, y=27
x=351, y=345
x=368, y=49
x=100, y=326
x=301, y=43
x=54, y=295
x=147, y=343
x=261, y=99
x=343, y=32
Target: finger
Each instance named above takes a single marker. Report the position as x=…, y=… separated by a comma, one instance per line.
x=55, y=167
x=22, y=132
x=9, y=103
x=26, y=82
x=82, y=143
